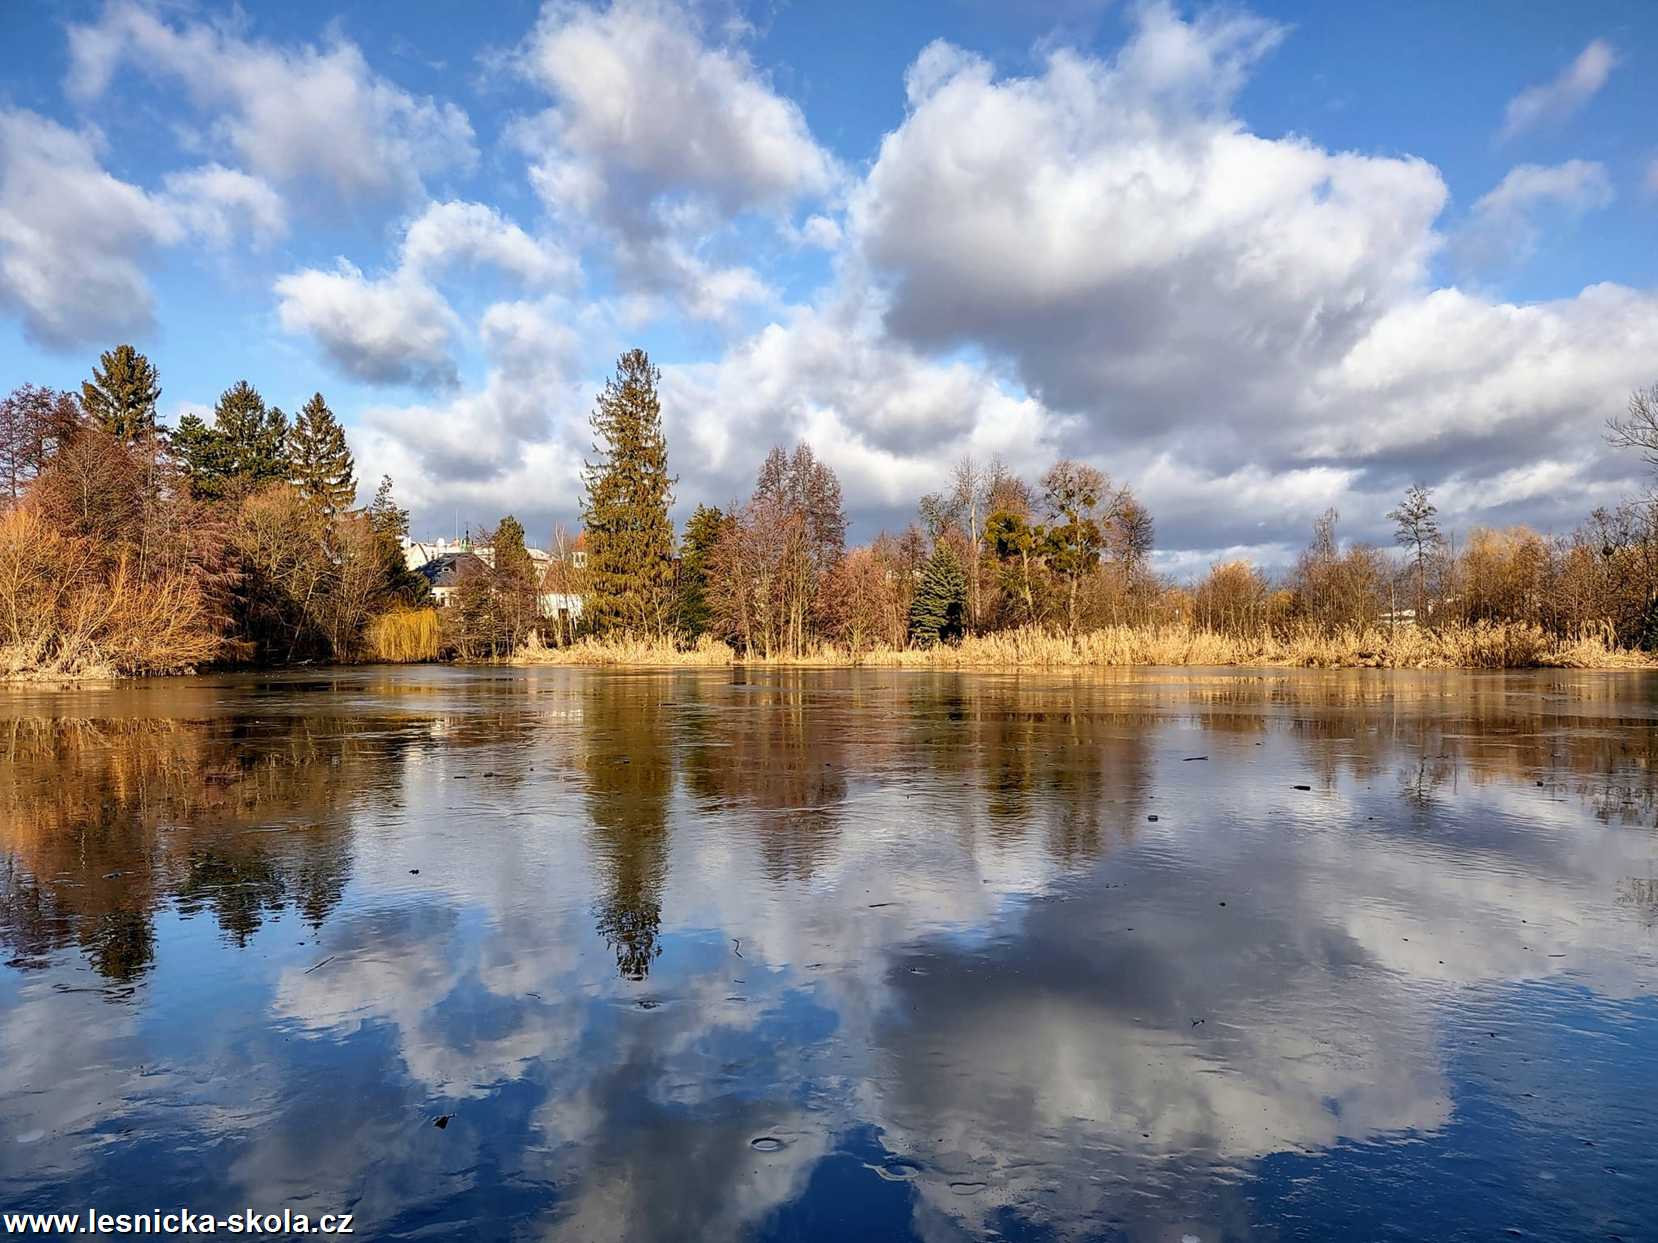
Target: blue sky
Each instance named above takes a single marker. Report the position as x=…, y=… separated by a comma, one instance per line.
x=1253, y=261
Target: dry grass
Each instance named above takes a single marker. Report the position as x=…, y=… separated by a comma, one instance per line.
x=625, y=651
x=1485, y=645
x=67, y=613
x=403, y=636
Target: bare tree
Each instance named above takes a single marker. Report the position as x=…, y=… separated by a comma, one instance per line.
x=970, y=492
x=1638, y=429
x=35, y=423
x=1416, y=528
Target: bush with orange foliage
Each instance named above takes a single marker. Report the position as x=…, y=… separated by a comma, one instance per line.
x=66, y=610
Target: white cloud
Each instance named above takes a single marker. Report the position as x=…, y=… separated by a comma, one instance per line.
x=647, y=108
x=71, y=235
x=515, y=443
x=1123, y=239
x=289, y=113
x=658, y=136
x=392, y=330
x=882, y=415
x=212, y=198
x=1553, y=101
x=821, y=231
x=398, y=328
x=1189, y=292
x=475, y=233
x=1502, y=228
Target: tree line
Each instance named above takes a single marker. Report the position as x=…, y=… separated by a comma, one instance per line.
x=133, y=547
x=772, y=576
x=142, y=548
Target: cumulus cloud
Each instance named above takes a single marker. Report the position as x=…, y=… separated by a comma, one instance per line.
x=1551, y=102
x=72, y=235
x=1107, y=231
x=399, y=328
x=392, y=330
x=475, y=233
x=1502, y=228
x=658, y=135
x=874, y=409
x=213, y=200
x=289, y=113
x=1207, y=305
x=513, y=443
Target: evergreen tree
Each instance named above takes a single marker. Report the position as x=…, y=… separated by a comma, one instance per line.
x=389, y=523
x=516, y=584
x=202, y=452
x=122, y=394
x=245, y=449
x=255, y=438
x=625, y=509
x=389, y=519
x=939, y=609
x=704, y=530
x=324, y=471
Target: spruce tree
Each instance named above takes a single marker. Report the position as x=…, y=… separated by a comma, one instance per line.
x=245, y=449
x=255, y=437
x=625, y=509
x=389, y=523
x=203, y=454
x=324, y=471
x=122, y=394
x=939, y=608
x=702, y=532
x=517, y=583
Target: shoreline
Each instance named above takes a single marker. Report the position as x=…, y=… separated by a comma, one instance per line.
x=1481, y=646
x=1477, y=646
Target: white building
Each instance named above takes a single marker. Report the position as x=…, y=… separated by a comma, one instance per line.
x=418, y=553
x=445, y=564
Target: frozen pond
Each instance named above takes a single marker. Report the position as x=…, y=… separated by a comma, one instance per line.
x=1147, y=955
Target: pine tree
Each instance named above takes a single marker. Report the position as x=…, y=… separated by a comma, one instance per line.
x=202, y=452
x=324, y=470
x=245, y=449
x=390, y=524
x=938, y=611
x=702, y=532
x=255, y=438
x=122, y=394
x=625, y=509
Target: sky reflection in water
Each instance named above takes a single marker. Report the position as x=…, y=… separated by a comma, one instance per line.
x=817, y=955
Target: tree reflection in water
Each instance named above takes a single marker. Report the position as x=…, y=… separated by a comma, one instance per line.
x=627, y=764
x=109, y=822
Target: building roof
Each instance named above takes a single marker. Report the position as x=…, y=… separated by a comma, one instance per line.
x=453, y=568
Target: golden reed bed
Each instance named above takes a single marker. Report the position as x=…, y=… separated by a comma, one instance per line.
x=1484, y=645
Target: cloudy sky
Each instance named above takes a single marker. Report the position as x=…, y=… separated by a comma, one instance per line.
x=1253, y=261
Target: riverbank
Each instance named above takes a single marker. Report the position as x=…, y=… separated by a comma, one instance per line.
x=1479, y=646
x=1508, y=645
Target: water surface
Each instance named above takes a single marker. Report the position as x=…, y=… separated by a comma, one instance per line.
x=1154, y=955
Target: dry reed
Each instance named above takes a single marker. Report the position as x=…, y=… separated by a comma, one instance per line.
x=1481, y=645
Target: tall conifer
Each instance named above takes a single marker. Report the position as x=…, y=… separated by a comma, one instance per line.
x=625, y=510
x=324, y=471
x=122, y=394
x=245, y=448
x=938, y=611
